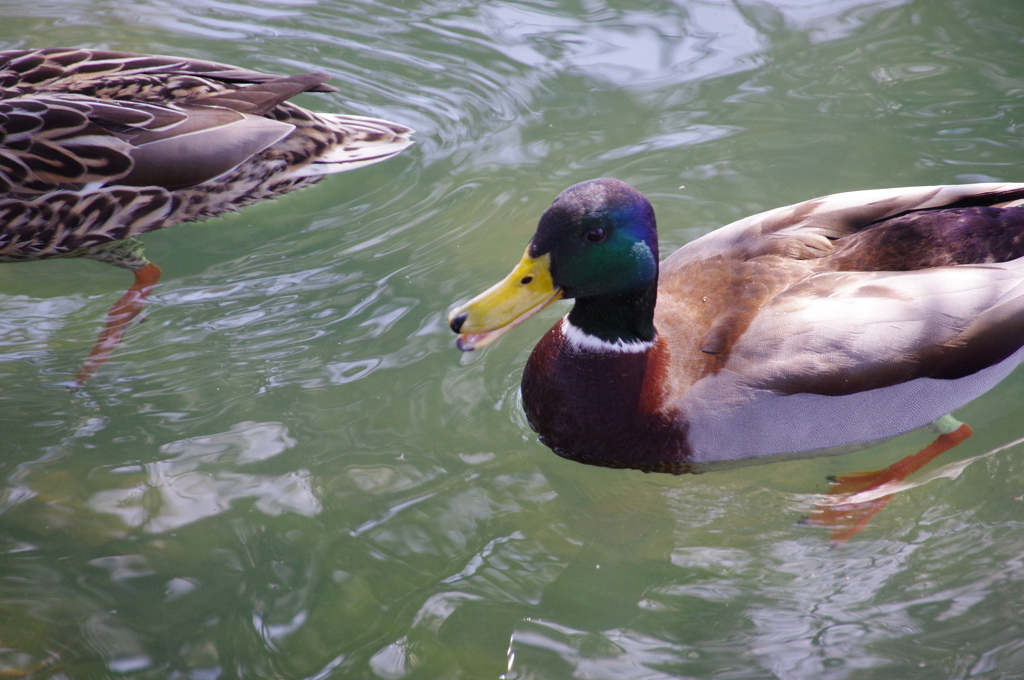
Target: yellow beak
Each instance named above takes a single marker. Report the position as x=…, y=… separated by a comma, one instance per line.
x=505, y=305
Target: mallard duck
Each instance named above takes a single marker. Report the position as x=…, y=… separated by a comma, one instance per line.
x=97, y=147
x=846, y=319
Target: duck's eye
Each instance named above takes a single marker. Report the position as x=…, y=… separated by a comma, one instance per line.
x=596, y=235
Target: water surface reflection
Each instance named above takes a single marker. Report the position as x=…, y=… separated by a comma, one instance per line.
x=289, y=472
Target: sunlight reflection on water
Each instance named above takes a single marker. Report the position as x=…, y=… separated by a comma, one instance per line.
x=288, y=471
x=181, y=490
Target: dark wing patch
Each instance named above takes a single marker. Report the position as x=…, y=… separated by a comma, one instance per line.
x=812, y=229
x=933, y=238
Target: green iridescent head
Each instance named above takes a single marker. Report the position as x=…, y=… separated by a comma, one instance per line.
x=597, y=243
x=602, y=239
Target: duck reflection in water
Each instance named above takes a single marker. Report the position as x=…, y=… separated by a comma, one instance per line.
x=807, y=330
x=97, y=147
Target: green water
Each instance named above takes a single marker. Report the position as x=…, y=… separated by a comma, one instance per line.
x=288, y=471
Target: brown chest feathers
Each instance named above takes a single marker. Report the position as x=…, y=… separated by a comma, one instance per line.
x=604, y=408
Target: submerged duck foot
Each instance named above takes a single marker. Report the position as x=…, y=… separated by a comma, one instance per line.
x=855, y=499
x=120, y=315
x=857, y=482
x=846, y=520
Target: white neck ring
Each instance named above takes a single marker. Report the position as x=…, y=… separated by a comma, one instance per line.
x=583, y=341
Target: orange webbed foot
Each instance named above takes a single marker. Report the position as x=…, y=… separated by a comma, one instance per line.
x=121, y=313
x=859, y=496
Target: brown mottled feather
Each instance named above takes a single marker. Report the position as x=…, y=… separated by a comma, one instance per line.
x=97, y=146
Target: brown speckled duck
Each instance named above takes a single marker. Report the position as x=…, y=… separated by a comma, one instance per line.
x=97, y=147
x=843, y=320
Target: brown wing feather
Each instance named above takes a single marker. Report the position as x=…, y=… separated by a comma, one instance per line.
x=223, y=141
